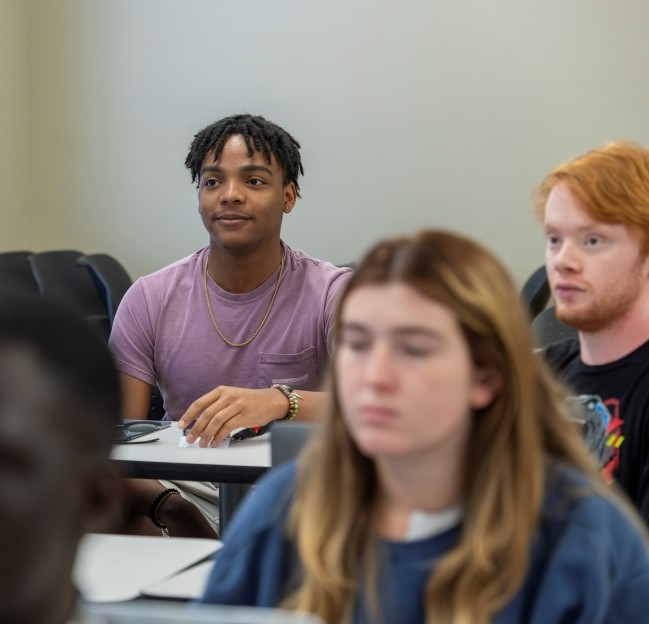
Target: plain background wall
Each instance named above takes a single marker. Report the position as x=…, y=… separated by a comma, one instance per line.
x=418, y=113
x=14, y=222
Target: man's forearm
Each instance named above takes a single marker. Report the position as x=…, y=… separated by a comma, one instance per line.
x=311, y=405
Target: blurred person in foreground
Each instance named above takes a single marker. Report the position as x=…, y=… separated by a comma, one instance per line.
x=447, y=484
x=59, y=406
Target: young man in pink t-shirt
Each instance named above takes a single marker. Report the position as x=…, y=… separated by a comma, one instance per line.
x=218, y=329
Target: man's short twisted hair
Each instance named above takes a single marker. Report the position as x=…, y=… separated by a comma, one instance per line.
x=260, y=135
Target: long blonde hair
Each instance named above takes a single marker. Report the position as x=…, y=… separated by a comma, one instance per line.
x=512, y=441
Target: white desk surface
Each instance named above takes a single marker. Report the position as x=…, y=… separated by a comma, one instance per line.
x=242, y=462
x=186, y=585
x=111, y=568
x=251, y=452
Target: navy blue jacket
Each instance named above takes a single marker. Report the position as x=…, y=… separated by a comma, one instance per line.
x=588, y=564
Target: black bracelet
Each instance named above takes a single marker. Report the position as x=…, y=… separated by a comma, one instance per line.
x=155, y=506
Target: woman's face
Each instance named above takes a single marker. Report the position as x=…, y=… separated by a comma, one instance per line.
x=405, y=377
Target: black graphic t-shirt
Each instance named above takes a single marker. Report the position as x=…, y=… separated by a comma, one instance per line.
x=623, y=386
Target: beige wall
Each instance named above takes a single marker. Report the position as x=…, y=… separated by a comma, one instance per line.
x=411, y=114
x=14, y=217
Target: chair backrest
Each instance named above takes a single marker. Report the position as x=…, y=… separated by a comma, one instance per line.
x=62, y=280
x=536, y=292
x=112, y=281
x=110, y=278
x=16, y=273
x=547, y=328
x=156, y=405
x=287, y=440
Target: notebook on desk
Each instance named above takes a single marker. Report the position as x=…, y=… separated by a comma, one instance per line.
x=164, y=612
x=115, y=568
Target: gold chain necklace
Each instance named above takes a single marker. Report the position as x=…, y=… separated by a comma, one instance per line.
x=263, y=321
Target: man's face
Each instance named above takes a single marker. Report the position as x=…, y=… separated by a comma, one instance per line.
x=242, y=198
x=40, y=488
x=596, y=271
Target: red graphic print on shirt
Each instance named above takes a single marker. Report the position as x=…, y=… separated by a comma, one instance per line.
x=615, y=439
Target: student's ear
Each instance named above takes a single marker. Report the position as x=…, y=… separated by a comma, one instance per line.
x=487, y=385
x=101, y=511
x=290, y=196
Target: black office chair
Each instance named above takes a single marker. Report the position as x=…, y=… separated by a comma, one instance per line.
x=545, y=325
x=16, y=273
x=547, y=328
x=112, y=281
x=62, y=280
x=110, y=278
x=156, y=405
x=536, y=292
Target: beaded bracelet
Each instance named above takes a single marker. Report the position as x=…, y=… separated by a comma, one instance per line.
x=292, y=397
x=155, y=506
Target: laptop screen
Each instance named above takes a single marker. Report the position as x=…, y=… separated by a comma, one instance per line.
x=164, y=612
x=288, y=439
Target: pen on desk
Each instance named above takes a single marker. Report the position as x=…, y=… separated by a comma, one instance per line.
x=250, y=432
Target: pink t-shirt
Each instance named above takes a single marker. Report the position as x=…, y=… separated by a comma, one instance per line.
x=163, y=332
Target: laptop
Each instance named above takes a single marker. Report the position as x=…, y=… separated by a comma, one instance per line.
x=165, y=612
x=288, y=439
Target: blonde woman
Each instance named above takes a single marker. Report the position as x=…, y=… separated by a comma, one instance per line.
x=447, y=485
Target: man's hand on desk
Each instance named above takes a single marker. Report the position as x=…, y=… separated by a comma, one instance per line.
x=226, y=408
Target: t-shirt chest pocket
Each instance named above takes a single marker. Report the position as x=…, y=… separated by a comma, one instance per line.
x=298, y=370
